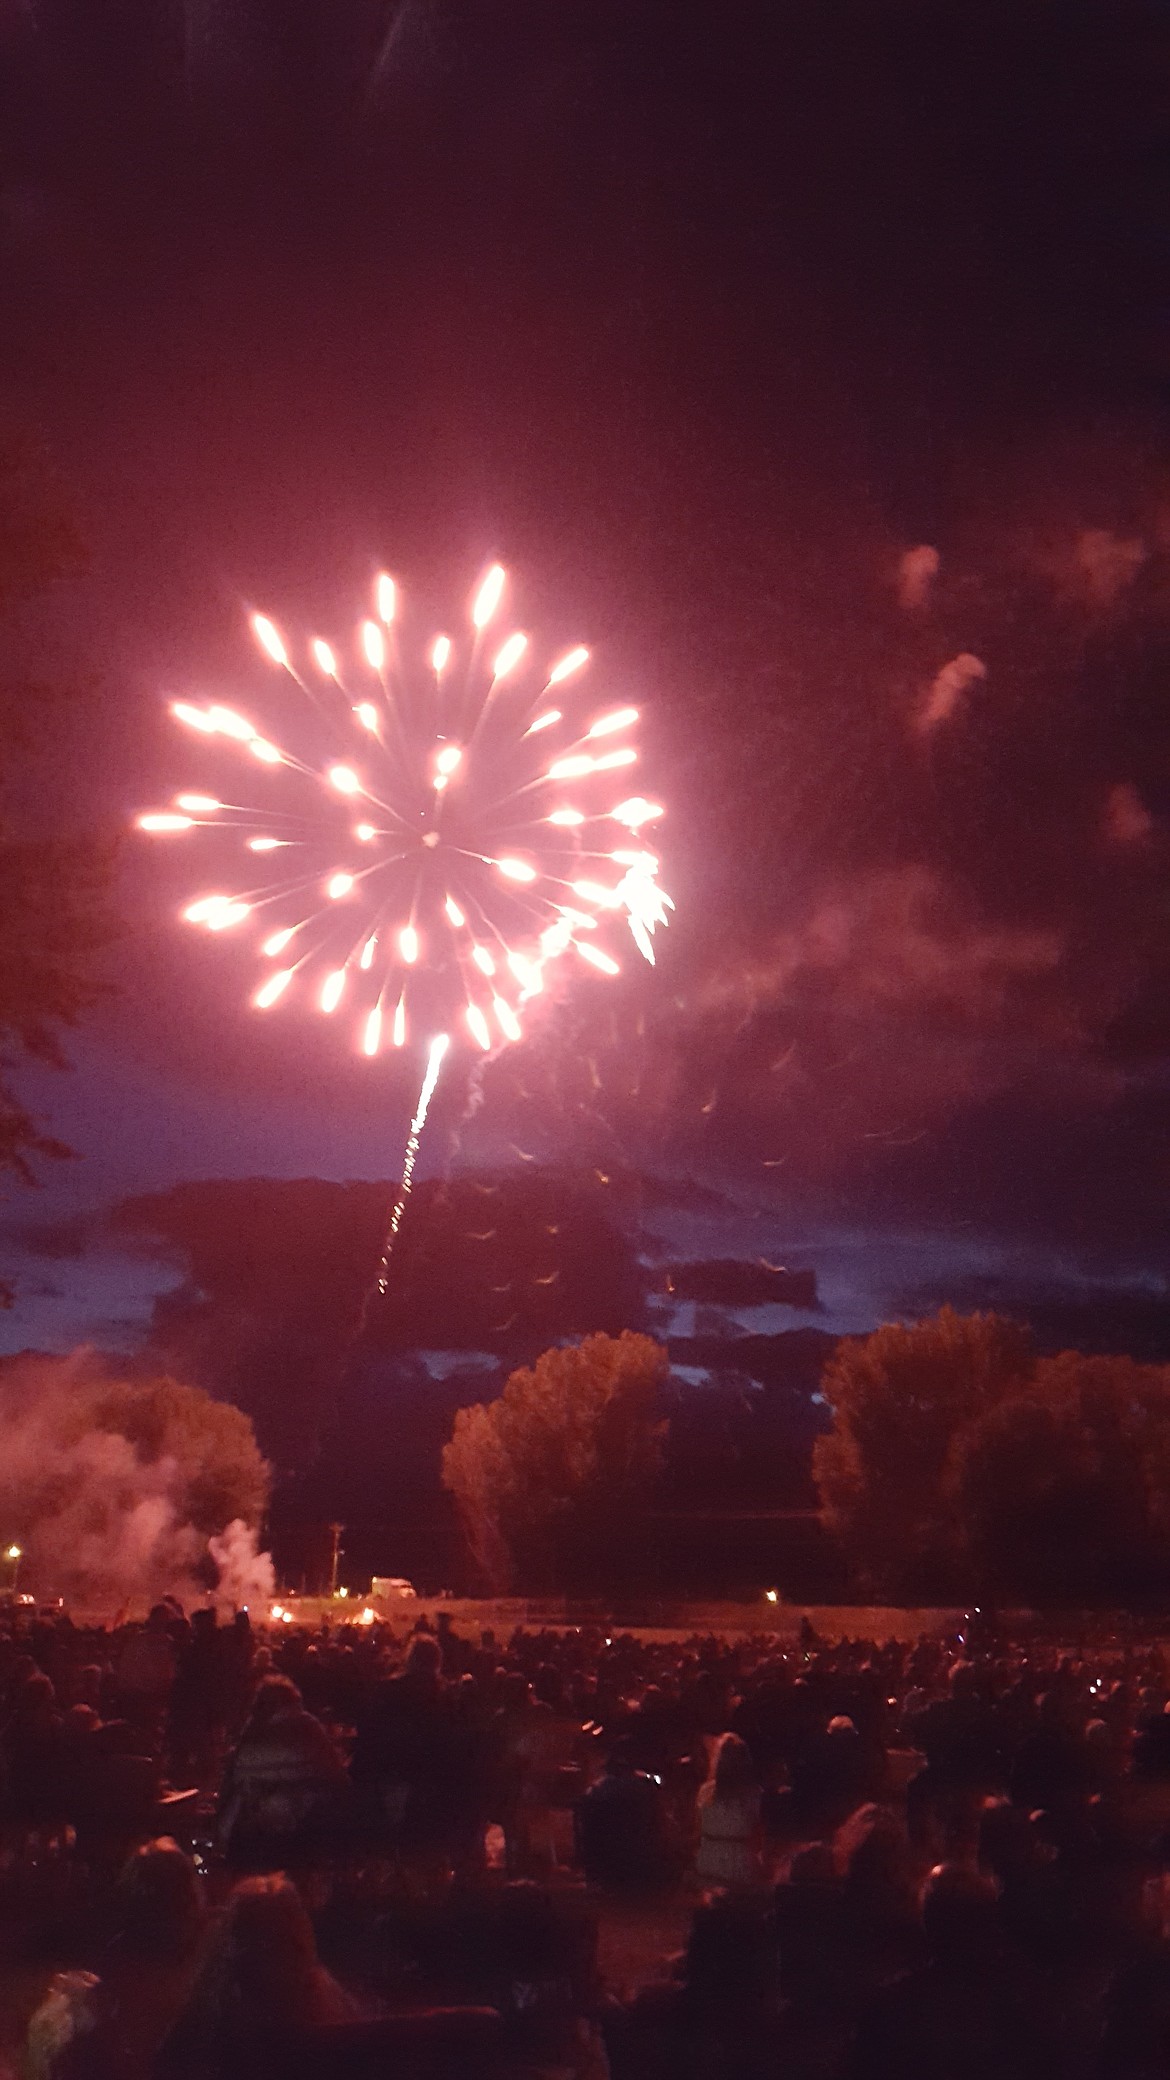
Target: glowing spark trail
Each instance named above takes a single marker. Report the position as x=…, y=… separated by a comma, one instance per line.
x=475, y=869
x=434, y=1063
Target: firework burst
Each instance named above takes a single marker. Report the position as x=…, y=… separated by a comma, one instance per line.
x=455, y=823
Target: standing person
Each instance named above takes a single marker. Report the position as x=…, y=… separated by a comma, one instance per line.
x=731, y=1836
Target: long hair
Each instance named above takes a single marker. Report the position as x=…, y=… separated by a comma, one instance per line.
x=734, y=1769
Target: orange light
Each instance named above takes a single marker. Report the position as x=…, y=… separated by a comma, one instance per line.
x=268, y=637
x=487, y=599
x=509, y=657
x=597, y=959
x=620, y=719
x=506, y=1019
x=479, y=1027
x=571, y=662
x=272, y=989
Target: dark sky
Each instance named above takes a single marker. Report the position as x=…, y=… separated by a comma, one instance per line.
x=701, y=320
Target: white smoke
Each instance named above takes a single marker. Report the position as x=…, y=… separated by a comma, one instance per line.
x=246, y=1575
x=917, y=571
x=105, y=1519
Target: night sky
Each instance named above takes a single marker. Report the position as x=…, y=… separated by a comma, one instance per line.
x=808, y=363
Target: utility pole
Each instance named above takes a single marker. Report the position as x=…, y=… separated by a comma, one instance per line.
x=335, y=1531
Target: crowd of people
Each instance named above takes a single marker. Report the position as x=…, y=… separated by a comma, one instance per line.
x=231, y=1850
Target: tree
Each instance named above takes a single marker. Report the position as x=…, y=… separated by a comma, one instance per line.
x=114, y=1485
x=900, y=1399
x=1063, y=1490
x=53, y=915
x=549, y=1478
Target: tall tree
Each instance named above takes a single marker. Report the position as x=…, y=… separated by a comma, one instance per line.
x=53, y=885
x=549, y=1479
x=900, y=1399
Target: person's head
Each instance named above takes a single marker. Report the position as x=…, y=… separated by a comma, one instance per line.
x=160, y=1904
x=424, y=1661
x=264, y=1962
x=730, y=1954
x=161, y=1618
x=734, y=1770
x=275, y=1695
x=960, y=1915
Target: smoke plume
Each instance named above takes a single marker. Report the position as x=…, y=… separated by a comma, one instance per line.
x=120, y=1490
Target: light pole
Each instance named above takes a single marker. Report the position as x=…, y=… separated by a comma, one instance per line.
x=335, y=1532
x=16, y=1555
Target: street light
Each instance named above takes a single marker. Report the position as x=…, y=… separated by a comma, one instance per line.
x=16, y=1555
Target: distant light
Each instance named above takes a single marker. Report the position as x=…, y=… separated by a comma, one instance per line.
x=772, y=1596
x=366, y=1616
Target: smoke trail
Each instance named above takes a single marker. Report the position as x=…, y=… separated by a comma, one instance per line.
x=381, y=1283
